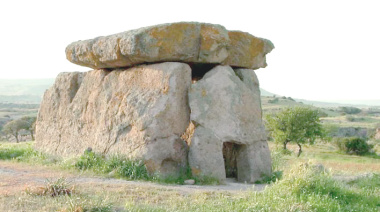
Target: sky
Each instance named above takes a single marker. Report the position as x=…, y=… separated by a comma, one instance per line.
x=324, y=50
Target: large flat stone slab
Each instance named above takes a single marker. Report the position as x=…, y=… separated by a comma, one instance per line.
x=188, y=42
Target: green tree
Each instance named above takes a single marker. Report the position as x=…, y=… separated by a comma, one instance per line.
x=14, y=127
x=350, y=110
x=31, y=120
x=299, y=125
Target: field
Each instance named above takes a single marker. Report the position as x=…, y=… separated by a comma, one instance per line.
x=347, y=123
x=322, y=179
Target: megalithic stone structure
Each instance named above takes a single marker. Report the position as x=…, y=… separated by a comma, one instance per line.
x=172, y=95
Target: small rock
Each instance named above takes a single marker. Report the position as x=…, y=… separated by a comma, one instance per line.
x=88, y=150
x=189, y=182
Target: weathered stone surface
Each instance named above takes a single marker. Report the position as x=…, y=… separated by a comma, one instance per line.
x=247, y=51
x=185, y=42
x=140, y=112
x=225, y=107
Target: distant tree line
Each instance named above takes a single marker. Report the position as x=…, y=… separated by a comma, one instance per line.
x=16, y=105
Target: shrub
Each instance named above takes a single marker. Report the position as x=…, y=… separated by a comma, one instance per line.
x=291, y=99
x=53, y=188
x=90, y=160
x=267, y=179
x=354, y=145
x=131, y=169
x=350, y=110
x=350, y=118
x=273, y=101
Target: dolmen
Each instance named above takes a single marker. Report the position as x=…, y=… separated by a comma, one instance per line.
x=176, y=96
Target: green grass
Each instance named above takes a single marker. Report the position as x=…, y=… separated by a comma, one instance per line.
x=330, y=156
x=23, y=152
x=116, y=166
x=303, y=188
x=120, y=167
x=369, y=182
x=362, y=121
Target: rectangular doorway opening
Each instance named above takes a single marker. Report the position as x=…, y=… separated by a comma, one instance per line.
x=230, y=156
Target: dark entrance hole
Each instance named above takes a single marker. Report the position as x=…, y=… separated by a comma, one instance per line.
x=230, y=156
x=198, y=70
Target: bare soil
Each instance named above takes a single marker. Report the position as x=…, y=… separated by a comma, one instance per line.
x=17, y=177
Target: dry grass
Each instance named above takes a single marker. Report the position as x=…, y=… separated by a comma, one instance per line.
x=341, y=121
x=113, y=196
x=328, y=155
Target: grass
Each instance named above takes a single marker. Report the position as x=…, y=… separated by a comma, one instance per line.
x=53, y=188
x=357, y=121
x=303, y=187
x=330, y=156
x=23, y=152
x=120, y=167
x=369, y=182
x=116, y=166
x=77, y=202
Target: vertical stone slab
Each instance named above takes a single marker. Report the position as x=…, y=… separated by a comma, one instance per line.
x=226, y=104
x=139, y=112
x=205, y=154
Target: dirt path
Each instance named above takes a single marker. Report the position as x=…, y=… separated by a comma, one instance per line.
x=16, y=177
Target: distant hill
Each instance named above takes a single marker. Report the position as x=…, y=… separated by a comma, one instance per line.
x=23, y=90
x=16, y=87
x=329, y=103
x=31, y=91
x=266, y=93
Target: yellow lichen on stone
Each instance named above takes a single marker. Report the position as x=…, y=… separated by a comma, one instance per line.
x=204, y=93
x=244, y=48
x=213, y=44
x=178, y=39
